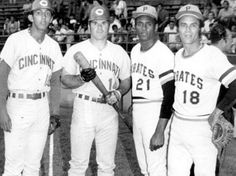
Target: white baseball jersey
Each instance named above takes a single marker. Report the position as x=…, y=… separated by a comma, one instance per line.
x=111, y=64
x=150, y=71
x=31, y=63
x=198, y=79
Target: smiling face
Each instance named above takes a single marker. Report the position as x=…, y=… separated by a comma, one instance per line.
x=145, y=28
x=99, y=29
x=189, y=30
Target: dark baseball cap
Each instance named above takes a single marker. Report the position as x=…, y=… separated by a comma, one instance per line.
x=99, y=12
x=41, y=4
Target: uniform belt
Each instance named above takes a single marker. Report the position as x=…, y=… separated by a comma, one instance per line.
x=94, y=99
x=190, y=119
x=33, y=96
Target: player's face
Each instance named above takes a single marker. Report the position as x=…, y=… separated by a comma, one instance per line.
x=41, y=19
x=99, y=29
x=189, y=29
x=145, y=28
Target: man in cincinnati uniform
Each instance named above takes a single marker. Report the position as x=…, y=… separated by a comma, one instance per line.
x=29, y=74
x=199, y=72
x=93, y=117
x=152, y=93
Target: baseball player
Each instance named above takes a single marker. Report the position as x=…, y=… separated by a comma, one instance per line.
x=93, y=117
x=29, y=74
x=152, y=93
x=199, y=71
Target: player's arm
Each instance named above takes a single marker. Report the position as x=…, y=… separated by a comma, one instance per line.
x=157, y=139
x=227, y=101
x=5, y=121
x=71, y=81
x=124, y=86
x=229, y=97
x=55, y=93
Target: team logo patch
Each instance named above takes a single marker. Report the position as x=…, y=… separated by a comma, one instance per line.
x=188, y=8
x=99, y=12
x=145, y=8
x=43, y=3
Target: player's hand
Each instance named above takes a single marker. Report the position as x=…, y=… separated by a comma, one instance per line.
x=5, y=121
x=214, y=116
x=157, y=140
x=54, y=124
x=88, y=74
x=113, y=97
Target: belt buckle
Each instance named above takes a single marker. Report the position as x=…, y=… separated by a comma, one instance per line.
x=34, y=96
x=101, y=100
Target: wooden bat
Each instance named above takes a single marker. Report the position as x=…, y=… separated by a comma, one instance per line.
x=82, y=61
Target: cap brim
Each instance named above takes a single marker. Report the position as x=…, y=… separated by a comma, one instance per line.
x=98, y=18
x=194, y=14
x=136, y=15
x=43, y=8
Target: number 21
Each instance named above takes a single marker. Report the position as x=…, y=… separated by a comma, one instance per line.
x=140, y=84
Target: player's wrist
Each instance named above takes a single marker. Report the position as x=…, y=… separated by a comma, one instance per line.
x=80, y=79
x=118, y=94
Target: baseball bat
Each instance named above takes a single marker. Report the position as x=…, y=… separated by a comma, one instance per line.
x=82, y=61
x=51, y=151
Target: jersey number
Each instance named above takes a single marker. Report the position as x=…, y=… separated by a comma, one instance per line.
x=110, y=84
x=193, y=97
x=141, y=85
x=47, y=81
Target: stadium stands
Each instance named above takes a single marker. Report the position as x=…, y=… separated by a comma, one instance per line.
x=7, y=10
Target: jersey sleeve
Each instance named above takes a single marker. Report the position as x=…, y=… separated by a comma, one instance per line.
x=58, y=58
x=8, y=51
x=125, y=65
x=222, y=69
x=166, y=66
x=69, y=64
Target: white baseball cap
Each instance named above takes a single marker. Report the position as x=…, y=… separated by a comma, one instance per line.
x=145, y=10
x=189, y=10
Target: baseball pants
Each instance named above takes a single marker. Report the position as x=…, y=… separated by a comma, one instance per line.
x=190, y=142
x=25, y=143
x=152, y=163
x=92, y=120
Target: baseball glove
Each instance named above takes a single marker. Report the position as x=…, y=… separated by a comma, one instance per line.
x=222, y=133
x=54, y=124
x=88, y=74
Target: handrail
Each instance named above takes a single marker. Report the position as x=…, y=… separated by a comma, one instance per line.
x=127, y=43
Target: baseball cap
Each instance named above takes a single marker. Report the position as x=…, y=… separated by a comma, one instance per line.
x=99, y=12
x=190, y=10
x=146, y=10
x=41, y=4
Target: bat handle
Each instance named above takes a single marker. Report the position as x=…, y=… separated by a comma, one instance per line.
x=116, y=107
